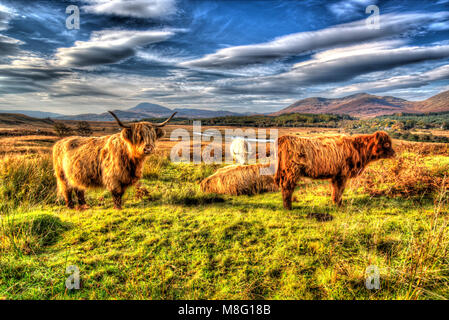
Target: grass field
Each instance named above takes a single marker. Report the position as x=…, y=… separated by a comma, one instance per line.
x=173, y=242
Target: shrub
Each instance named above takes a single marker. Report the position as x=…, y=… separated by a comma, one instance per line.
x=83, y=129
x=61, y=129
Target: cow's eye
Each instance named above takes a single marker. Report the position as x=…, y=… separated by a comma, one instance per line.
x=387, y=145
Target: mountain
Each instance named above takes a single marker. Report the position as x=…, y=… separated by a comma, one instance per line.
x=367, y=105
x=437, y=103
x=34, y=114
x=150, y=110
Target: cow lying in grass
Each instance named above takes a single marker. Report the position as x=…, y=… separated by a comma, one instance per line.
x=237, y=180
x=337, y=158
x=113, y=162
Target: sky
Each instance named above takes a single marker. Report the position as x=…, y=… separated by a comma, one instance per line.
x=240, y=56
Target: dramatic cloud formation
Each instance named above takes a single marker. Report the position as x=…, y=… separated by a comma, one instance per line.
x=414, y=80
x=108, y=46
x=305, y=42
x=253, y=56
x=28, y=74
x=5, y=17
x=9, y=46
x=337, y=65
x=157, y=9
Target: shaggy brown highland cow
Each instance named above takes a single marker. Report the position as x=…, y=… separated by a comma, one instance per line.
x=113, y=162
x=237, y=180
x=337, y=158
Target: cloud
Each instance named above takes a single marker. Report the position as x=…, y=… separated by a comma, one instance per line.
x=306, y=42
x=155, y=9
x=337, y=65
x=9, y=46
x=413, y=80
x=28, y=74
x=108, y=46
x=349, y=8
x=6, y=15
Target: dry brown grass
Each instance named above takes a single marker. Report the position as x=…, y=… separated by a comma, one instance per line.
x=407, y=175
x=421, y=148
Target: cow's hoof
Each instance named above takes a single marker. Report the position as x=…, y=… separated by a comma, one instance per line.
x=82, y=207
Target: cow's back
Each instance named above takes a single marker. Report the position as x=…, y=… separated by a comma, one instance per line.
x=80, y=160
x=320, y=157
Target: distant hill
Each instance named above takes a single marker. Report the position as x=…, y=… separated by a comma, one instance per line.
x=21, y=119
x=34, y=114
x=437, y=103
x=367, y=105
x=150, y=110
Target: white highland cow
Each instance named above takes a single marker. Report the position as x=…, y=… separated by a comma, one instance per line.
x=239, y=150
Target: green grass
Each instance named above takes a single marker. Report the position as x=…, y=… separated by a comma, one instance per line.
x=174, y=242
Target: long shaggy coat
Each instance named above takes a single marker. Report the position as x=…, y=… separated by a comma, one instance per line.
x=239, y=180
x=336, y=158
x=113, y=162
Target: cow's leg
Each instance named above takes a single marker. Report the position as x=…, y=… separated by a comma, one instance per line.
x=67, y=193
x=287, y=188
x=64, y=189
x=338, y=187
x=117, y=198
x=287, y=197
x=82, y=205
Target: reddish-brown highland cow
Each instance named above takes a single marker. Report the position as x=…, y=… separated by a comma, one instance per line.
x=113, y=162
x=336, y=158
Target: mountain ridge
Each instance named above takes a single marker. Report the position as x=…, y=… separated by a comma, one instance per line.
x=367, y=105
x=150, y=110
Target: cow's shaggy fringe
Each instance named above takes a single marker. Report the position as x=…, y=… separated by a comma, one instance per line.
x=240, y=180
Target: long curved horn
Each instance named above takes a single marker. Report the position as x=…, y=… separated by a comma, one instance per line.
x=165, y=122
x=118, y=121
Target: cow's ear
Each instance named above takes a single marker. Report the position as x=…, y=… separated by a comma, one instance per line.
x=160, y=133
x=127, y=135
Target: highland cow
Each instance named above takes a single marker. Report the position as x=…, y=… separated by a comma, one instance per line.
x=113, y=162
x=337, y=158
x=239, y=150
x=237, y=180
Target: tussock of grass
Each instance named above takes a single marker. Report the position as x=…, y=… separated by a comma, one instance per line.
x=23, y=234
x=27, y=180
x=153, y=166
